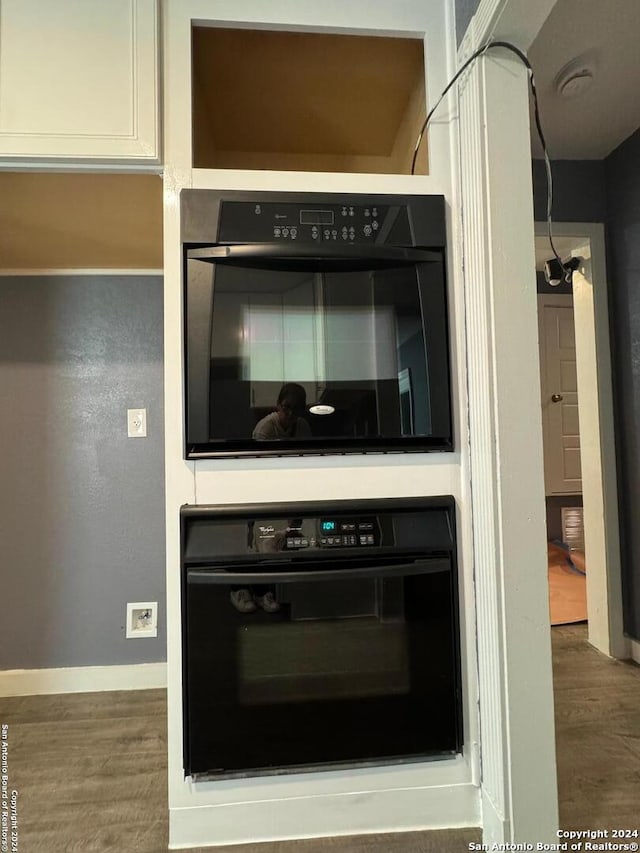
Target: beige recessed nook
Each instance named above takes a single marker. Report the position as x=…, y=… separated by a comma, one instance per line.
x=304, y=101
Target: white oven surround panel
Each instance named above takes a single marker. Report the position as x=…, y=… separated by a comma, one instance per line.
x=317, y=478
x=433, y=795
x=348, y=804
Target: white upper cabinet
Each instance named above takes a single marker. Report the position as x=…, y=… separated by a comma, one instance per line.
x=79, y=80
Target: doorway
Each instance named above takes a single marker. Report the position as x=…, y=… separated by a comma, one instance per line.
x=562, y=462
x=588, y=454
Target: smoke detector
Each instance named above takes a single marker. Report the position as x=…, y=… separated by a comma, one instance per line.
x=575, y=78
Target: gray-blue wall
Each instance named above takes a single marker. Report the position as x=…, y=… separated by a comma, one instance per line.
x=81, y=505
x=622, y=172
x=579, y=191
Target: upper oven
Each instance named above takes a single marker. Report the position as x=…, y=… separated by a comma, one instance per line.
x=314, y=324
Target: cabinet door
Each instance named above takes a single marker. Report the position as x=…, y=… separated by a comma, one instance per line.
x=78, y=79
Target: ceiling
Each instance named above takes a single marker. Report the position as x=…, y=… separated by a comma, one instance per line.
x=602, y=36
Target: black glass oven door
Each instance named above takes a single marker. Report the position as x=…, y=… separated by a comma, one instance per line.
x=302, y=351
x=355, y=666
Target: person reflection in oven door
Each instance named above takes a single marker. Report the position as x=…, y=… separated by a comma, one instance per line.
x=287, y=421
x=264, y=537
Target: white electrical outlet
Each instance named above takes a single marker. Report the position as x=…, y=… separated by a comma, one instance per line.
x=142, y=619
x=136, y=423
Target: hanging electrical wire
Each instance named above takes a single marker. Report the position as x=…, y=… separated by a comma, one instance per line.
x=505, y=45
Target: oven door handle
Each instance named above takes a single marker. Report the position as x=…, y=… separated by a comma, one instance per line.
x=222, y=576
x=272, y=254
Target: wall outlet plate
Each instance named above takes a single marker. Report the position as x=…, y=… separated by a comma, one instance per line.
x=136, y=423
x=142, y=619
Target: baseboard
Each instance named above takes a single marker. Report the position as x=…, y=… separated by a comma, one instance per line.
x=82, y=679
x=635, y=650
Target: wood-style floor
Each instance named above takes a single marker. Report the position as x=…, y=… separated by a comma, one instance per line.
x=91, y=768
x=597, y=710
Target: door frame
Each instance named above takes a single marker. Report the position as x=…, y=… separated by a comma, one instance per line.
x=597, y=435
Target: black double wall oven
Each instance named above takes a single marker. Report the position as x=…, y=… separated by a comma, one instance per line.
x=358, y=664
x=314, y=323
x=317, y=635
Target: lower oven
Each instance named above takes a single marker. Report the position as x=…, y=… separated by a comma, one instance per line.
x=319, y=636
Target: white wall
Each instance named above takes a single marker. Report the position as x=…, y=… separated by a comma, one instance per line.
x=436, y=794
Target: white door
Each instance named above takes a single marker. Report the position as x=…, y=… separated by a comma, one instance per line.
x=562, y=469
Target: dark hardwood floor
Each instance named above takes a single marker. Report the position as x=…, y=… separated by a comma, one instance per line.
x=91, y=768
x=597, y=710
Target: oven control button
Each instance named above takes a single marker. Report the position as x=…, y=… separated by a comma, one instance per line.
x=344, y=211
x=290, y=543
x=304, y=543
x=323, y=540
x=348, y=526
x=285, y=232
x=367, y=212
x=365, y=525
x=374, y=224
x=277, y=232
x=367, y=230
x=294, y=233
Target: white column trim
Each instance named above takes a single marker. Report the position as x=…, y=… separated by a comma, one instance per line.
x=517, y=21
x=483, y=464
x=514, y=652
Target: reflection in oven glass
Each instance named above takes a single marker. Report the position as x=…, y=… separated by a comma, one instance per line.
x=318, y=355
x=296, y=664
x=339, y=640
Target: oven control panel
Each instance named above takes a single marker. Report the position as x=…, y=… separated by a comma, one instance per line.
x=212, y=535
x=334, y=532
x=286, y=223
